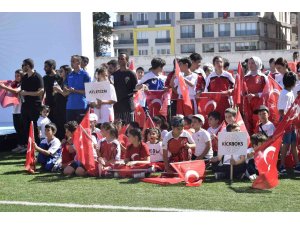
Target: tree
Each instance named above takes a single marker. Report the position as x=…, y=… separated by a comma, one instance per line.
x=102, y=32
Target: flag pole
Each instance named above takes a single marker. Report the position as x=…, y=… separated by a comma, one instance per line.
x=231, y=170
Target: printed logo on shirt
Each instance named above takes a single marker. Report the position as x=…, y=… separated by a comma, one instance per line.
x=127, y=79
x=154, y=151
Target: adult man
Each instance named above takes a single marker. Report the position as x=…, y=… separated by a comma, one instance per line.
x=32, y=90
x=84, y=62
x=50, y=79
x=125, y=81
x=112, y=66
x=74, y=88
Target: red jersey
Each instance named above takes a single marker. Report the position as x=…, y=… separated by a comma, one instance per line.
x=139, y=153
x=123, y=139
x=218, y=83
x=175, y=145
x=167, y=84
x=200, y=85
x=110, y=150
x=254, y=83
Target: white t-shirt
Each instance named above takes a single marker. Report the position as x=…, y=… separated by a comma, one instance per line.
x=200, y=138
x=286, y=99
x=279, y=79
x=296, y=89
x=156, y=152
x=41, y=123
x=17, y=108
x=106, y=111
x=163, y=134
x=249, y=150
x=193, y=77
x=54, y=145
x=268, y=128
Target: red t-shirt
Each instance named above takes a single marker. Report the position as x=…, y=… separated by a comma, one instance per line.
x=254, y=83
x=109, y=150
x=123, y=139
x=139, y=153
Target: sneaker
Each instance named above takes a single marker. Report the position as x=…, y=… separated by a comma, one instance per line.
x=297, y=168
x=219, y=175
x=282, y=170
x=252, y=177
x=18, y=148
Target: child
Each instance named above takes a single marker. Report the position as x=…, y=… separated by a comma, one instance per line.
x=265, y=126
x=43, y=121
x=286, y=99
x=214, y=118
x=256, y=140
x=94, y=130
x=104, y=108
x=230, y=115
x=108, y=149
x=178, y=143
x=187, y=124
x=122, y=138
x=238, y=162
x=161, y=123
x=68, y=151
x=49, y=149
x=137, y=151
x=202, y=139
x=155, y=145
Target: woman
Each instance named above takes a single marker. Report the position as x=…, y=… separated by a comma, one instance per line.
x=254, y=83
x=15, y=87
x=282, y=67
x=59, y=111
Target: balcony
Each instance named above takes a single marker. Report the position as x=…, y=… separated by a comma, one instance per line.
x=123, y=23
x=142, y=41
x=162, y=22
x=162, y=40
x=123, y=42
x=246, y=32
x=208, y=34
x=187, y=15
x=224, y=33
x=142, y=22
x=187, y=35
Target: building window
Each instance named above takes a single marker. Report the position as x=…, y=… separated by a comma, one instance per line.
x=131, y=36
x=143, y=52
x=246, y=46
x=237, y=14
x=163, y=51
x=223, y=15
x=163, y=16
x=224, y=29
x=187, y=48
x=130, y=17
x=142, y=35
x=142, y=16
x=244, y=29
x=208, y=30
x=187, y=15
x=208, y=47
x=224, y=47
x=207, y=15
x=163, y=34
x=187, y=31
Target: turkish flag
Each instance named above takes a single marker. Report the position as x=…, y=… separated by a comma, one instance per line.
x=139, y=112
x=30, y=157
x=239, y=120
x=165, y=101
x=266, y=163
x=7, y=98
x=131, y=65
x=191, y=171
x=156, y=100
x=82, y=140
x=163, y=180
x=188, y=108
x=270, y=96
x=293, y=66
x=237, y=91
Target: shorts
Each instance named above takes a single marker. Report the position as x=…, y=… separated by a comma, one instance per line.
x=289, y=137
x=75, y=164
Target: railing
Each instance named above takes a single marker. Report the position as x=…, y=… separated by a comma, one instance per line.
x=208, y=34
x=162, y=21
x=224, y=33
x=187, y=15
x=187, y=35
x=246, y=32
x=123, y=42
x=123, y=23
x=142, y=22
x=142, y=41
x=162, y=40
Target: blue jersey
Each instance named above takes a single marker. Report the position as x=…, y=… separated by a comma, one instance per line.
x=153, y=82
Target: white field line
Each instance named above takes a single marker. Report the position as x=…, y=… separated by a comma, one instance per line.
x=72, y=205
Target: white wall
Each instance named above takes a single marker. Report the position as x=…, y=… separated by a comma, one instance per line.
x=39, y=36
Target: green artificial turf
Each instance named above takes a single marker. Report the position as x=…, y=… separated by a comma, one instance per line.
x=17, y=185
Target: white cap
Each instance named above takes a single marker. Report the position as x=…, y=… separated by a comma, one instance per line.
x=93, y=117
x=200, y=117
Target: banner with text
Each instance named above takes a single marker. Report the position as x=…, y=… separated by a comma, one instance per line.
x=97, y=90
x=232, y=143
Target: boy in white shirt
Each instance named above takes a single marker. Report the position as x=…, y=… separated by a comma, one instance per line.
x=203, y=149
x=286, y=99
x=265, y=126
x=43, y=121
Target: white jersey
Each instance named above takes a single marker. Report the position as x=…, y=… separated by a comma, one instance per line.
x=156, y=152
x=268, y=128
x=163, y=134
x=41, y=123
x=279, y=79
x=193, y=77
x=286, y=99
x=201, y=137
x=106, y=111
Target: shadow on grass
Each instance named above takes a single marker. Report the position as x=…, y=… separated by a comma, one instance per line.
x=12, y=163
x=248, y=190
x=50, y=177
x=17, y=172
